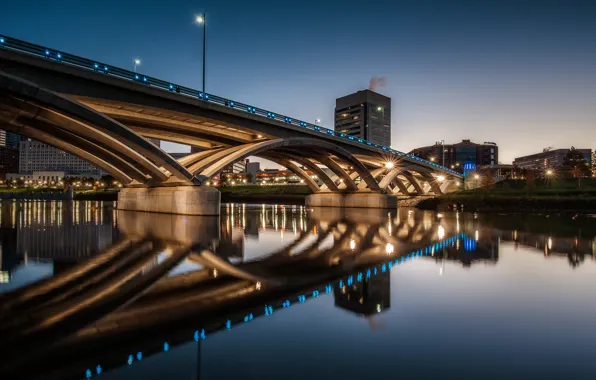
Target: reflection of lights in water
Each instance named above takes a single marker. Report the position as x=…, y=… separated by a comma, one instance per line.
x=352, y=244
x=378, y=308
x=476, y=235
x=389, y=248
x=258, y=285
x=550, y=243
x=439, y=216
x=214, y=272
x=514, y=234
x=441, y=232
x=441, y=270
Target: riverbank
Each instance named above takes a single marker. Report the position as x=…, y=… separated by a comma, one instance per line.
x=293, y=195
x=59, y=195
x=519, y=196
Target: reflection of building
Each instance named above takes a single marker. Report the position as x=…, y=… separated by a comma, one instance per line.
x=464, y=155
x=37, y=156
x=365, y=115
x=370, y=296
x=594, y=163
x=549, y=159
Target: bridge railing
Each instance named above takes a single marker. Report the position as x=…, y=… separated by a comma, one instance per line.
x=99, y=67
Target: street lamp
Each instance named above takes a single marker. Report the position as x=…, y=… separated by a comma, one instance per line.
x=549, y=174
x=202, y=19
x=136, y=62
x=440, y=178
x=317, y=121
x=389, y=165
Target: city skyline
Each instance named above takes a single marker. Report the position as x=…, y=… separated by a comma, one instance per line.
x=515, y=73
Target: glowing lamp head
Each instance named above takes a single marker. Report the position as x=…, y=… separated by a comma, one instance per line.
x=389, y=165
x=137, y=61
x=200, y=19
x=476, y=176
x=549, y=172
x=440, y=178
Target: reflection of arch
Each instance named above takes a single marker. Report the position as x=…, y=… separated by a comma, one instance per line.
x=308, y=152
x=77, y=129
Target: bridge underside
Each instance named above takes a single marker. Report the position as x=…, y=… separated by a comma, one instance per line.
x=113, y=138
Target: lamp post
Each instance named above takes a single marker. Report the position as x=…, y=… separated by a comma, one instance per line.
x=202, y=19
x=135, y=62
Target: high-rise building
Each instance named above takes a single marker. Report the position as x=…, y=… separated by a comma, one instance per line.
x=366, y=115
x=465, y=155
x=37, y=156
x=9, y=161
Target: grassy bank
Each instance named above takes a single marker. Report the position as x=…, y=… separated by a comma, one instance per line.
x=562, y=195
x=265, y=194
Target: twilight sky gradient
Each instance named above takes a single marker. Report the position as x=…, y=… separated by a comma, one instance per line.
x=519, y=73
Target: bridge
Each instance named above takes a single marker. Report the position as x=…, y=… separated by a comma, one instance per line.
x=103, y=114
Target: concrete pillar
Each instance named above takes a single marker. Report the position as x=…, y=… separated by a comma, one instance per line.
x=352, y=200
x=182, y=200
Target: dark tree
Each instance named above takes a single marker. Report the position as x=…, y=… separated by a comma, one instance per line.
x=575, y=165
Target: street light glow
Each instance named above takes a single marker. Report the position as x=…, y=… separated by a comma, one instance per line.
x=137, y=61
x=549, y=172
x=476, y=176
x=441, y=178
x=200, y=19
x=389, y=165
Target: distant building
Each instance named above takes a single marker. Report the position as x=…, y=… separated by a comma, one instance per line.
x=548, y=159
x=465, y=155
x=35, y=156
x=236, y=167
x=9, y=161
x=594, y=163
x=155, y=142
x=10, y=139
x=252, y=168
x=366, y=115
x=502, y=171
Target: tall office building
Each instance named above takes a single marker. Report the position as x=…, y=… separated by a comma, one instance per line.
x=366, y=115
x=9, y=153
x=37, y=156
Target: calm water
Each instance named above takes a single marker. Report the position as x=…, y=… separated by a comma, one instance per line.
x=282, y=292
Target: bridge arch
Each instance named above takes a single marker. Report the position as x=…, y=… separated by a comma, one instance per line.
x=305, y=151
x=48, y=117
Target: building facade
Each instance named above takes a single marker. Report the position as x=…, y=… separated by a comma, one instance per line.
x=549, y=159
x=366, y=115
x=35, y=156
x=9, y=161
x=594, y=164
x=465, y=155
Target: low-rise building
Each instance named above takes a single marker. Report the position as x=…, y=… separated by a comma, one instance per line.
x=548, y=159
x=35, y=156
x=465, y=155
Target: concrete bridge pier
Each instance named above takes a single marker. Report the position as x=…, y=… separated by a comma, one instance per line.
x=352, y=200
x=181, y=200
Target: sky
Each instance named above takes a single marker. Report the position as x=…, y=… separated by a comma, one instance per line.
x=518, y=73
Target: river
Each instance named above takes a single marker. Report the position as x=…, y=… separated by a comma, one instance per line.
x=285, y=292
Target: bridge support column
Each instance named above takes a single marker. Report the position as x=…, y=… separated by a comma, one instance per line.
x=182, y=200
x=352, y=200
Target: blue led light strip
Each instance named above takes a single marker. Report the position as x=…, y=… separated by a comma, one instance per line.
x=58, y=56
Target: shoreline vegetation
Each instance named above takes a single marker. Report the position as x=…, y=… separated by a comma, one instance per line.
x=563, y=195
x=557, y=195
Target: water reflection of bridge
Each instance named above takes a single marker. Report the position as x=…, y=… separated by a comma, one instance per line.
x=85, y=311
x=125, y=300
